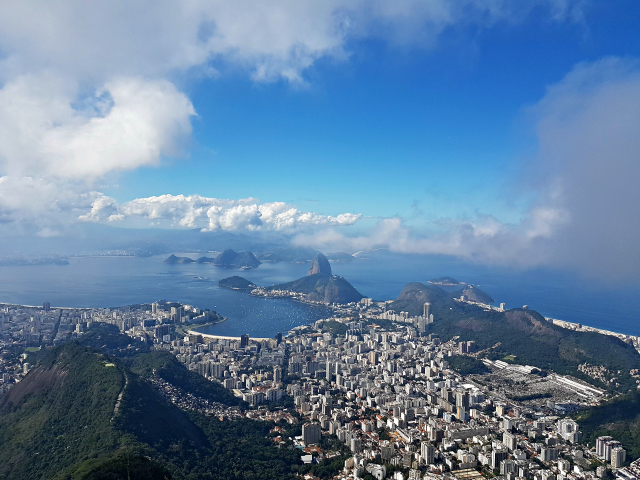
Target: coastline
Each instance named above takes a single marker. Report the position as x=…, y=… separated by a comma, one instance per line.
x=635, y=339
x=223, y=337
x=578, y=327
x=191, y=327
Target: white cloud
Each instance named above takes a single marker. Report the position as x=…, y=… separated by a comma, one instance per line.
x=589, y=133
x=587, y=172
x=210, y=214
x=276, y=39
x=41, y=134
x=87, y=89
x=41, y=203
x=483, y=239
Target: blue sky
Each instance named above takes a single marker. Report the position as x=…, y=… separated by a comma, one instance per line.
x=392, y=127
x=475, y=128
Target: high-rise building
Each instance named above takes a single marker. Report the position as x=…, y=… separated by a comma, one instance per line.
x=462, y=398
x=177, y=313
x=356, y=445
x=608, y=449
x=508, y=466
x=311, y=433
x=46, y=306
x=426, y=310
x=422, y=325
x=507, y=423
x=600, y=445
x=428, y=453
x=279, y=338
x=548, y=454
x=277, y=374
x=510, y=441
x=373, y=357
x=568, y=429
x=388, y=450
x=498, y=456
x=244, y=340
x=618, y=457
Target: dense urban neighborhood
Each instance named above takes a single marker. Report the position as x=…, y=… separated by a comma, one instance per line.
x=375, y=384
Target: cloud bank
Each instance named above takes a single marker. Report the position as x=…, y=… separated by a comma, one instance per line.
x=587, y=172
x=90, y=89
x=213, y=214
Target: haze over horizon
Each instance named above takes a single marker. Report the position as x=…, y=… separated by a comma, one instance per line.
x=504, y=133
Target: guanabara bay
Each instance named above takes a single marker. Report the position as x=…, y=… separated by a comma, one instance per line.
x=320, y=240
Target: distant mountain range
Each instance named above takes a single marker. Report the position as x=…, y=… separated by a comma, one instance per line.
x=302, y=255
x=228, y=258
x=289, y=254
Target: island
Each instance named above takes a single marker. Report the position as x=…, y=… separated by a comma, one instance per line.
x=228, y=258
x=173, y=260
x=236, y=283
x=231, y=258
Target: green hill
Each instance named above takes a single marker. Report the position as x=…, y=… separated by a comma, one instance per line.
x=523, y=333
x=63, y=413
x=321, y=288
x=167, y=367
x=236, y=283
x=414, y=295
x=206, y=260
x=81, y=414
x=231, y=258
x=619, y=418
x=474, y=294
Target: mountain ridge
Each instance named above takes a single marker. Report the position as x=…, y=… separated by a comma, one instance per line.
x=81, y=414
x=523, y=333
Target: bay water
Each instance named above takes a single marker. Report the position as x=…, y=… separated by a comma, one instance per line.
x=99, y=282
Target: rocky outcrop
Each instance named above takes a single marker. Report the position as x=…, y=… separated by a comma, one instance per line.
x=320, y=266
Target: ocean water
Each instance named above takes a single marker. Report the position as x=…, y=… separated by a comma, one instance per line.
x=116, y=281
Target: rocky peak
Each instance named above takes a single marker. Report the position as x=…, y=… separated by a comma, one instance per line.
x=320, y=265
